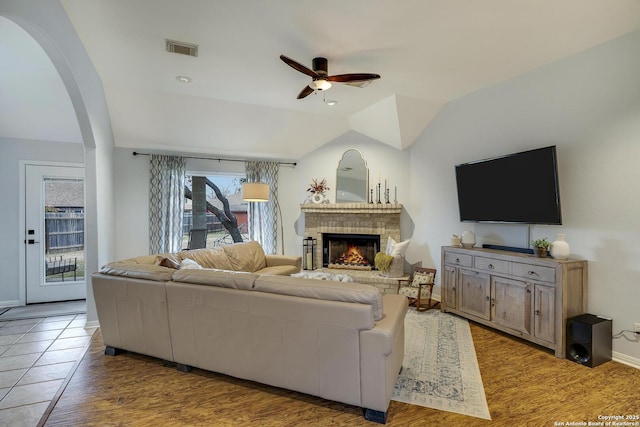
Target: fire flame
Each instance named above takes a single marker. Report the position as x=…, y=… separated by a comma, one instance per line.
x=353, y=256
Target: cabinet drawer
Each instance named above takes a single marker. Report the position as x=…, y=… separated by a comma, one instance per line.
x=458, y=259
x=491, y=265
x=534, y=272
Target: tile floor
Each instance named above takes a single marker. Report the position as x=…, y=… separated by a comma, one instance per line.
x=35, y=357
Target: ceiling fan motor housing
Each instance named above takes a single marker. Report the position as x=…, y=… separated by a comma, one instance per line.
x=320, y=66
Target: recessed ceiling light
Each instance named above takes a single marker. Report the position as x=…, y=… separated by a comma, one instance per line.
x=183, y=79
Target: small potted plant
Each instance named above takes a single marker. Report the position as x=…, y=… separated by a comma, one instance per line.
x=540, y=247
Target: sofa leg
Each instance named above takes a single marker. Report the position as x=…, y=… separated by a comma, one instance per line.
x=375, y=416
x=112, y=351
x=183, y=368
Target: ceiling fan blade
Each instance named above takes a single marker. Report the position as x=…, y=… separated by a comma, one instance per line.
x=306, y=91
x=297, y=66
x=355, y=77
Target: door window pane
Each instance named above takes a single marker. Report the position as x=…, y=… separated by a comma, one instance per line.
x=63, y=229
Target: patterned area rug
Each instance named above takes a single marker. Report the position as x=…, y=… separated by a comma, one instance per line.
x=440, y=369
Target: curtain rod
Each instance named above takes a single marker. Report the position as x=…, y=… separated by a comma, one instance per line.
x=135, y=153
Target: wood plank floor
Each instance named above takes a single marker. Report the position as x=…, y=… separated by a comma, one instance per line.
x=525, y=385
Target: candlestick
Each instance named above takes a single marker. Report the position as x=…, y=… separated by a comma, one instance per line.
x=379, y=201
x=395, y=195
x=371, y=196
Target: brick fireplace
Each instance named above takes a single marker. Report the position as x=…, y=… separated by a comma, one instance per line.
x=357, y=219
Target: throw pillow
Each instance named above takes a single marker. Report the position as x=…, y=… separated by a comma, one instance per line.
x=420, y=278
x=397, y=249
x=167, y=262
x=208, y=258
x=189, y=264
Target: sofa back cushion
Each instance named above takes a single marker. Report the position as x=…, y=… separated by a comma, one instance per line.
x=218, y=278
x=138, y=271
x=246, y=256
x=323, y=289
x=207, y=258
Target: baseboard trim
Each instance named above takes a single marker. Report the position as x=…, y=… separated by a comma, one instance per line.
x=626, y=360
x=10, y=303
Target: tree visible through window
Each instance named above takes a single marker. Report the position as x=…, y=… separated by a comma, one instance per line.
x=215, y=202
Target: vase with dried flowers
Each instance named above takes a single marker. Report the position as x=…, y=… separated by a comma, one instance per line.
x=317, y=190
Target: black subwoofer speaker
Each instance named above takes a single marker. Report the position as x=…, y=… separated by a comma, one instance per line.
x=588, y=340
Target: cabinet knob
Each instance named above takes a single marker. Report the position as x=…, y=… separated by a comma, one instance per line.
x=487, y=298
x=537, y=312
x=491, y=267
x=458, y=260
x=531, y=273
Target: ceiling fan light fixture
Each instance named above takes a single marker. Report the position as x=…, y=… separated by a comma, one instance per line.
x=320, y=84
x=331, y=102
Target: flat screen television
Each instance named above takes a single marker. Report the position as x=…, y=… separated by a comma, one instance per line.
x=517, y=188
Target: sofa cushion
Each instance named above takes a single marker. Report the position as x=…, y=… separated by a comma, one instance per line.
x=207, y=258
x=323, y=289
x=219, y=278
x=246, y=256
x=138, y=271
x=278, y=270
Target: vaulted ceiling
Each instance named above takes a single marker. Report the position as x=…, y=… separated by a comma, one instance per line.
x=242, y=97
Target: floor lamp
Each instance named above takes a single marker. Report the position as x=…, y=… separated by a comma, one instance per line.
x=259, y=192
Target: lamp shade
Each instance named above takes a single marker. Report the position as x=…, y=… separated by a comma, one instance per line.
x=255, y=192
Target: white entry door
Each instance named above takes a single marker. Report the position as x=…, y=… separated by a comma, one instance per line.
x=54, y=233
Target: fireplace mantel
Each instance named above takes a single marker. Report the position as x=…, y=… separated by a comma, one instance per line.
x=352, y=208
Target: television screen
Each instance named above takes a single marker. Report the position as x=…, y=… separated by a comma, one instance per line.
x=517, y=188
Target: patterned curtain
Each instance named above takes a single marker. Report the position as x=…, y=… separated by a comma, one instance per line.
x=166, y=203
x=263, y=216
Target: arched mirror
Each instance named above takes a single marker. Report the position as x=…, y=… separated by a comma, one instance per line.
x=352, y=178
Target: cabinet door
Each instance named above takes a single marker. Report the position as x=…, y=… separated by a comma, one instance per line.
x=511, y=304
x=544, y=313
x=474, y=293
x=449, y=292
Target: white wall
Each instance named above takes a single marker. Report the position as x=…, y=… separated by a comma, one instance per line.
x=587, y=105
x=383, y=162
x=132, y=187
x=12, y=241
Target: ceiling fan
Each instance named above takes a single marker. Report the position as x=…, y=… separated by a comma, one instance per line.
x=321, y=78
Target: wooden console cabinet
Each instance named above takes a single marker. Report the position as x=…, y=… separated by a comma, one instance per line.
x=516, y=293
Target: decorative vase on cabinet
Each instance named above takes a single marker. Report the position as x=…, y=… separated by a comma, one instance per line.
x=560, y=248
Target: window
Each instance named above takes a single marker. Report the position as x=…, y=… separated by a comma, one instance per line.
x=200, y=209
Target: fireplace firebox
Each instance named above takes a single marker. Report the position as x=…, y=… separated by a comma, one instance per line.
x=350, y=251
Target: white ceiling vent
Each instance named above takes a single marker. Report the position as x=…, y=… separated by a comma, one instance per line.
x=182, y=47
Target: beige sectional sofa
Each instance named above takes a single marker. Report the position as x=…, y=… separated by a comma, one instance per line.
x=339, y=341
